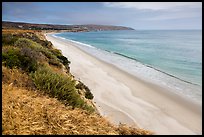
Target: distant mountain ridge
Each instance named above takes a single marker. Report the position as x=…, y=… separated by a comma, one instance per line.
x=73, y=28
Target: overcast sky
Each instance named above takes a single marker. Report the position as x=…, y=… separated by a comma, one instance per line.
x=138, y=15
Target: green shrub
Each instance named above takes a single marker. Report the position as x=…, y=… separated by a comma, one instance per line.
x=88, y=93
x=52, y=59
x=8, y=39
x=89, y=108
x=54, y=62
x=30, y=35
x=59, y=55
x=64, y=60
x=57, y=85
x=56, y=52
x=80, y=85
x=46, y=44
x=24, y=42
x=28, y=64
x=47, y=53
x=38, y=56
x=12, y=57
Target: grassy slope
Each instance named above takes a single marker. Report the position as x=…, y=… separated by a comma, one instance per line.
x=27, y=110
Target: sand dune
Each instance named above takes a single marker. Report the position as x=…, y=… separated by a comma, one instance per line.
x=124, y=98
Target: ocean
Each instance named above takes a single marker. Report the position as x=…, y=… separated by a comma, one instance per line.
x=169, y=58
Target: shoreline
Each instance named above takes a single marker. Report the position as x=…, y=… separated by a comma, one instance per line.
x=146, y=72
x=176, y=115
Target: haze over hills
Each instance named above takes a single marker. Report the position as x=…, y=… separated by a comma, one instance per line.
x=76, y=28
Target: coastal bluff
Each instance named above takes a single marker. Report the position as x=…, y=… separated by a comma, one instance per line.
x=68, y=28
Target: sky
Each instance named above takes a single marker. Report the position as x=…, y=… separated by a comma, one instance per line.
x=138, y=15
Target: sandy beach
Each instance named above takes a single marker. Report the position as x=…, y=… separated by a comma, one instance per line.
x=124, y=98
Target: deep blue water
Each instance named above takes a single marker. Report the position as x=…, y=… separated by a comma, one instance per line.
x=176, y=53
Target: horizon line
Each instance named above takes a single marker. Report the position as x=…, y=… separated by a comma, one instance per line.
x=95, y=24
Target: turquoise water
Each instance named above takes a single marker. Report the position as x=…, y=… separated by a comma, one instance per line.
x=177, y=54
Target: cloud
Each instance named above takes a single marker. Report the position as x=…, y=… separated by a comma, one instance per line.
x=175, y=15
x=152, y=15
x=20, y=9
x=157, y=11
x=153, y=5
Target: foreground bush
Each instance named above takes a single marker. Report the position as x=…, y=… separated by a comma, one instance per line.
x=12, y=57
x=62, y=58
x=8, y=39
x=88, y=93
x=59, y=86
x=52, y=59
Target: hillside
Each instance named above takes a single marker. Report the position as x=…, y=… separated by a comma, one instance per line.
x=27, y=112
x=41, y=96
x=73, y=28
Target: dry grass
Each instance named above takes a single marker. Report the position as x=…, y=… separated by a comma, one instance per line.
x=16, y=31
x=26, y=112
x=18, y=77
x=39, y=33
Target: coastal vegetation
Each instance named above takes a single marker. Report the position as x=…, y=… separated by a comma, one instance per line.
x=88, y=93
x=41, y=96
x=37, y=60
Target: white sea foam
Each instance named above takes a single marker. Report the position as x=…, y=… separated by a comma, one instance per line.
x=82, y=44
